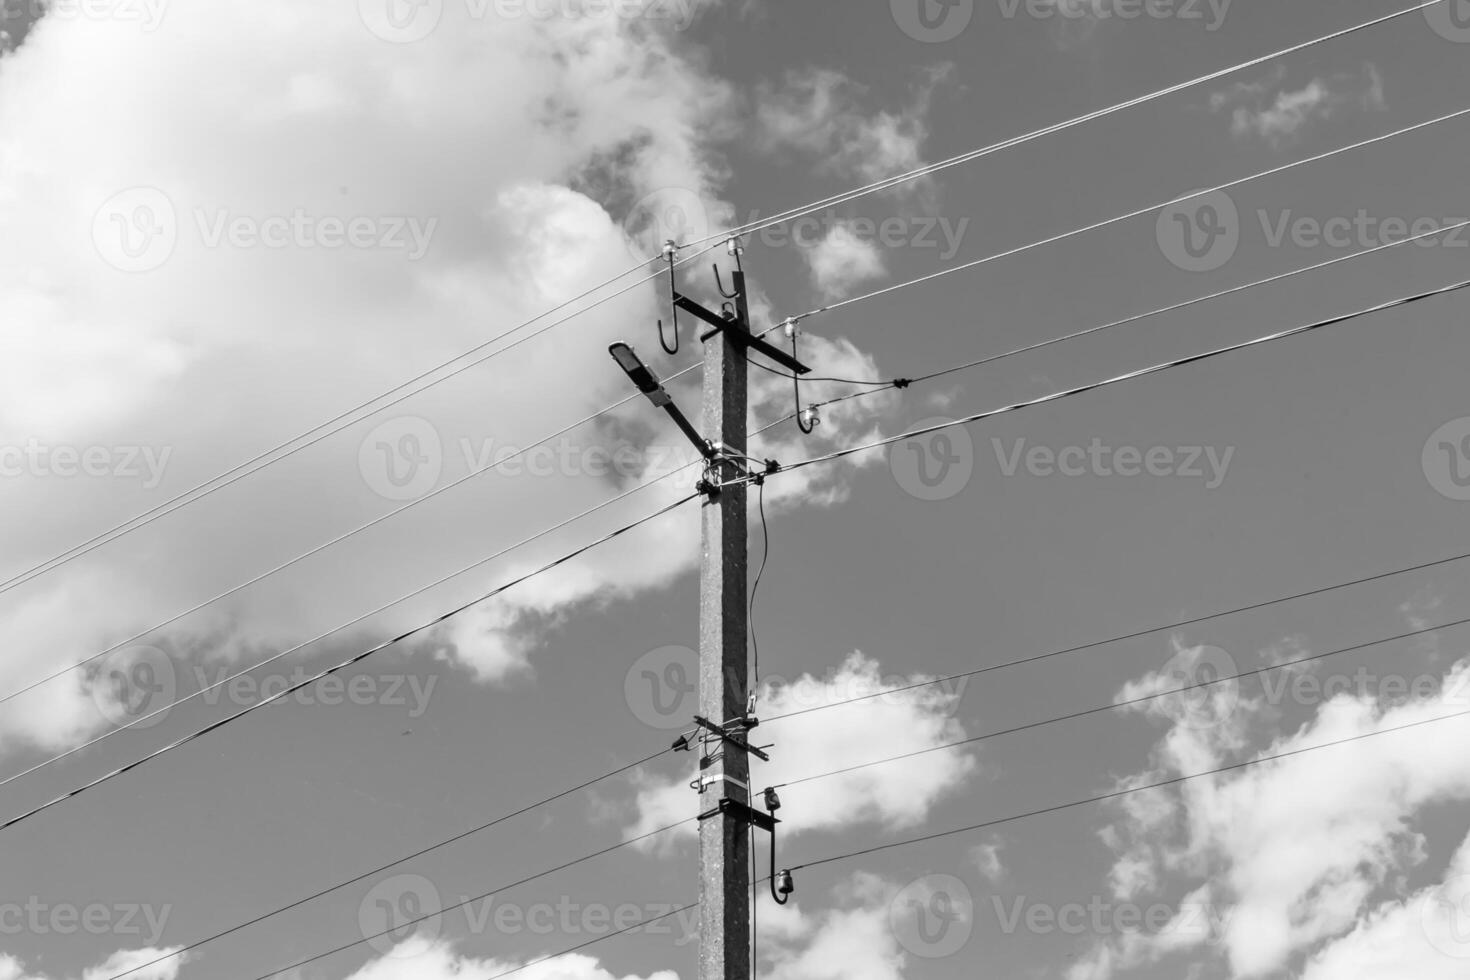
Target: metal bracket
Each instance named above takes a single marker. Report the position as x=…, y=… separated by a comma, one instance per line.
x=749, y=814
x=729, y=739
x=742, y=336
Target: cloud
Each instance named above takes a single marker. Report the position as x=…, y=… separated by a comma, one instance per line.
x=513, y=146
x=842, y=260
x=1266, y=111
x=850, y=940
x=987, y=859
x=893, y=797
x=418, y=959
x=1237, y=838
x=12, y=968
x=819, y=113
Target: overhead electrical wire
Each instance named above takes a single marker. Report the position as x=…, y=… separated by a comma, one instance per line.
x=1136, y=213
x=1380, y=576
x=331, y=426
x=1128, y=703
x=1130, y=791
x=1137, y=634
x=470, y=901
x=1130, y=376
x=967, y=157
x=357, y=658
x=198, y=943
x=314, y=435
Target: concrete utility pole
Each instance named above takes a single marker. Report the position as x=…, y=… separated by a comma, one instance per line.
x=723, y=727
x=724, y=836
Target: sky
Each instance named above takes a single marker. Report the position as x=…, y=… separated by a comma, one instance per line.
x=230, y=223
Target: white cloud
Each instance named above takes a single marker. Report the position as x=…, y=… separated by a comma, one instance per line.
x=12, y=968
x=1294, y=850
x=487, y=127
x=895, y=796
x=1266, y=111
x=987, y=859
x=850, y=940
x=417, y=959
x=842, y=260
x=819, y=112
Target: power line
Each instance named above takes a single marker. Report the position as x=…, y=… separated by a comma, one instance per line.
x=1133, y=702
x=1130, y=376
x=577, y=949
x=393, y=864
x=878, y=385
x=314, y=435
x=1104, y=797
x=478, y=898
x=1177, y=624
x=341, y=666
x=1133, y=214
x=334, y=541
x=1054, y=128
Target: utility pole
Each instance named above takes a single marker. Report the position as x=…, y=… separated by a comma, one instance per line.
x=724, y=838
x=723, y=727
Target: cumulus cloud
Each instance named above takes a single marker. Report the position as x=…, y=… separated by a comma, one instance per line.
x=418, y=959
x=1268, y=111
x=1236, y=839
x=894, y=797
x=492, y=162
x=842, y=260
x=12, y=968
x=849, y=940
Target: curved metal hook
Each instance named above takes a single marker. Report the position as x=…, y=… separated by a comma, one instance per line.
x=720, y=283
x=673, y=295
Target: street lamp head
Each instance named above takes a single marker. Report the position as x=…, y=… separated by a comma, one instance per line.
x=634, y=368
